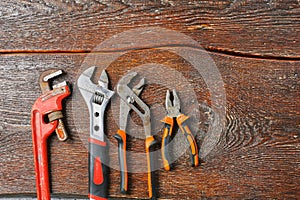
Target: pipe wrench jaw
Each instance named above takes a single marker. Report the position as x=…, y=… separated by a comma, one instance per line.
x=46, y=110
x=49, y=90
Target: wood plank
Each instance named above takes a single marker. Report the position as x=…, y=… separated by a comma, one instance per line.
x=256, y=28
x=257, y=155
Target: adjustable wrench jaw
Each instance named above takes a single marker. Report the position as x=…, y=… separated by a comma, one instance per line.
x=96, y=98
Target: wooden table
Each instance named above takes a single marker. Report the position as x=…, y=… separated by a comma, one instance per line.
x=255, y=47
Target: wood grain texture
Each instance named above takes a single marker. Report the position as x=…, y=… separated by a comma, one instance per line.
x=256, y=28
x=256, y=157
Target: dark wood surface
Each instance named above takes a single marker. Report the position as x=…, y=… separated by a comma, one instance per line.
x=255, y=47
x=261, y=28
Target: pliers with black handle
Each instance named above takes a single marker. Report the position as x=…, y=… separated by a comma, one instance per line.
x=173, y=112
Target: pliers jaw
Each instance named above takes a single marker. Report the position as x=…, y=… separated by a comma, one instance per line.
x=130, y=97
x=172, y=107
x=124, y=108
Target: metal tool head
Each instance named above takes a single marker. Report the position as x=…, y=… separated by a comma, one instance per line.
x=88, y=88
x=130, y=99
x=125, y=109
x=47, y=88
x=173, y=108
x=137, y=89
x=103, y=80
x=126, y=79
x=47, y=76
x=96, y=97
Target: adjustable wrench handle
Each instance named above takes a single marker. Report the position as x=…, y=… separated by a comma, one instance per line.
x=98, y=171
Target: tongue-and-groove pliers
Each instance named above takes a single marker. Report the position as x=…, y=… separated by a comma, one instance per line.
x=121, y=134
x=130, y=100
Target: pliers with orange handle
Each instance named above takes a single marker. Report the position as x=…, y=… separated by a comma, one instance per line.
x=173, y=110
x=130, y=99
x=121, y=135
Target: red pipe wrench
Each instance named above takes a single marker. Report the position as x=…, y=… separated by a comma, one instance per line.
x=46, y=117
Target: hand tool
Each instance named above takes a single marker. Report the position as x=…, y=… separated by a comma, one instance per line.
x=45, y=87
x=121, y=136
x=129, y=96
x=96, y=97
x=45, y=116
x=173, y=111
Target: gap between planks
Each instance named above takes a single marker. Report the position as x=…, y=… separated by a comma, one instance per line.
x=208, y=49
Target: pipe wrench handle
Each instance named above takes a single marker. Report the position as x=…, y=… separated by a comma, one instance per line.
x=121, y=138
x=39, y=138
x=98, y=171
x=49, y=102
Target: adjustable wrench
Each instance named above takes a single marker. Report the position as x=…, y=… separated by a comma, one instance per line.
x=96, y=98
x=43, y=123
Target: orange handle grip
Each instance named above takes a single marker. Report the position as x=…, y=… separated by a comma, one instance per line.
x=164, y=150
x=169, y=122
x=193, y=146
x=149, y=143
x=191, y=139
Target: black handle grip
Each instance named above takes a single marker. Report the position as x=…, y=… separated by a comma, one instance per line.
x=98, y=171
x=165, y=152
x=121, y=138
